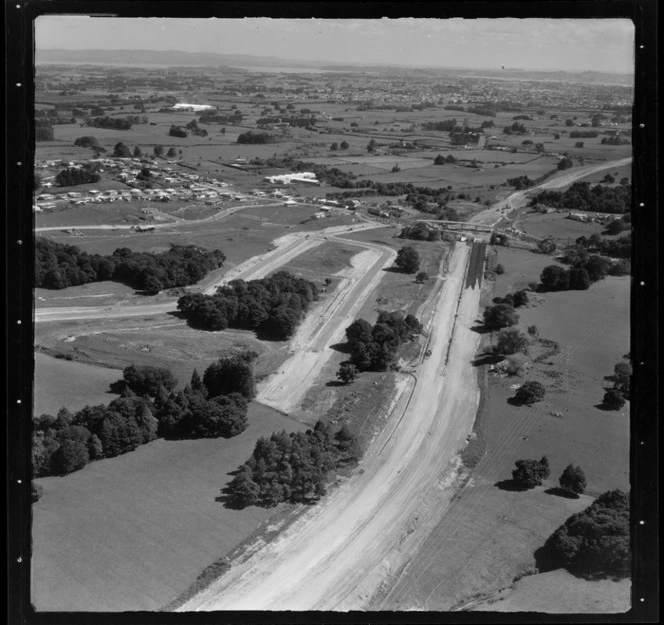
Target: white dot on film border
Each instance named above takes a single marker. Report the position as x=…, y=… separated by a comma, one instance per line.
x=641, y=204
x=643, y=283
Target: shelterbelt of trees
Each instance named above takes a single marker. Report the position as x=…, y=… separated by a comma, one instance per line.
x=212, y=407
x=582, y=197
x=58, y=266
x=292, y=467
x=272, y=306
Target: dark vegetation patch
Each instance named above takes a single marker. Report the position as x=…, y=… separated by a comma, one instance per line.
x=58, y=266
x=272, y=306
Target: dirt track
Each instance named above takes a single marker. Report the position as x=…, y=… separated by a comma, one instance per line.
x=337, y=555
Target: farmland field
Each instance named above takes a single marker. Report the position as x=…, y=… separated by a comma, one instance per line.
x=489, y=534
x=132, y=532
x=85, y=384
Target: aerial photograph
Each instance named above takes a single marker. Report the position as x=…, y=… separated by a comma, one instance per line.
x=332, y=315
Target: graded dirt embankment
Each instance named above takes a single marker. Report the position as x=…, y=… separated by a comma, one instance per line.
x=323, y=327
x=336, y=556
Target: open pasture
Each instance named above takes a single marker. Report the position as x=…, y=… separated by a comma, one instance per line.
x=92, y=294
x=85, y=384
x=117, y=213
x=169, y=342
x=556, y=225
x=131, y=533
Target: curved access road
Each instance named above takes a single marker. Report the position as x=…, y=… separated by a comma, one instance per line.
x=519, y=199
x=337, y=554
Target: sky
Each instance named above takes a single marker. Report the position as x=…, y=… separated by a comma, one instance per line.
x=604, y=45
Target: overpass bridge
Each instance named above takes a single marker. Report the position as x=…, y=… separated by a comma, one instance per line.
x=459, y=225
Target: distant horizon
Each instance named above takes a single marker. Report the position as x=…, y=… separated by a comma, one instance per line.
x=323, y=62
x=531, y=44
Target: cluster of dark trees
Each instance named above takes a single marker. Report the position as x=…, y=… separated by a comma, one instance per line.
x=444, y=126
x=485, y=112
x=116, y=123
x=584, y=271
x=272, y=306
x=521, y=182
x=522, y=117
x=594, y=543
x=58, y=266
x=147, y=409
x=516, y=299
x=420, y=232
x=214, y=117
x=213, y=407
x=178, y=131
x=461, y=135
x=616, y=248
x=251, y=137
x=617, y=140
x=293, y=467
x=580, y=196
x=615, y=398
x=86, y=142
x=515, y=129
x=194, y=128
x=565, y=163
x=583, y=134
x=68, y=442
x=374, y=348
x=73, y=176
x=442, y=160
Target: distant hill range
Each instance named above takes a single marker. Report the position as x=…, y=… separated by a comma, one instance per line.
x=209, y=59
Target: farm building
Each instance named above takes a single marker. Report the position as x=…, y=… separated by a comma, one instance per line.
x=578, y=217
x=301, y=177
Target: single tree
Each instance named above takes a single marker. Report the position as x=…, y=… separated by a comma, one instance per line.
x=520, y=298
x=529, y=393
x=531, y=473
x=421, y=277
x=500, y=269
x=334, y=147
x=344, y=145
x=171, y=152
x=573, y=480
x=121, y=150
x=613, y=399
x=158, y=150
x=347, y=373
x=533, y=330
x=555, y=278
x=138, y=152
x=500, y=316
x=408, y=260
x=579, y=280
x=512, y=341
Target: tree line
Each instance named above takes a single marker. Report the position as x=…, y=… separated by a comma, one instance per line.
x=116, y=123
x=582, y=197
x=293, y=467
x=272, y=306
x=58, y=266
x=374, y=348
x=211, y=407
x=252, y=138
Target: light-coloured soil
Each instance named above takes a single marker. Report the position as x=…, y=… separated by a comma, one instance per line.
x=334, y=546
